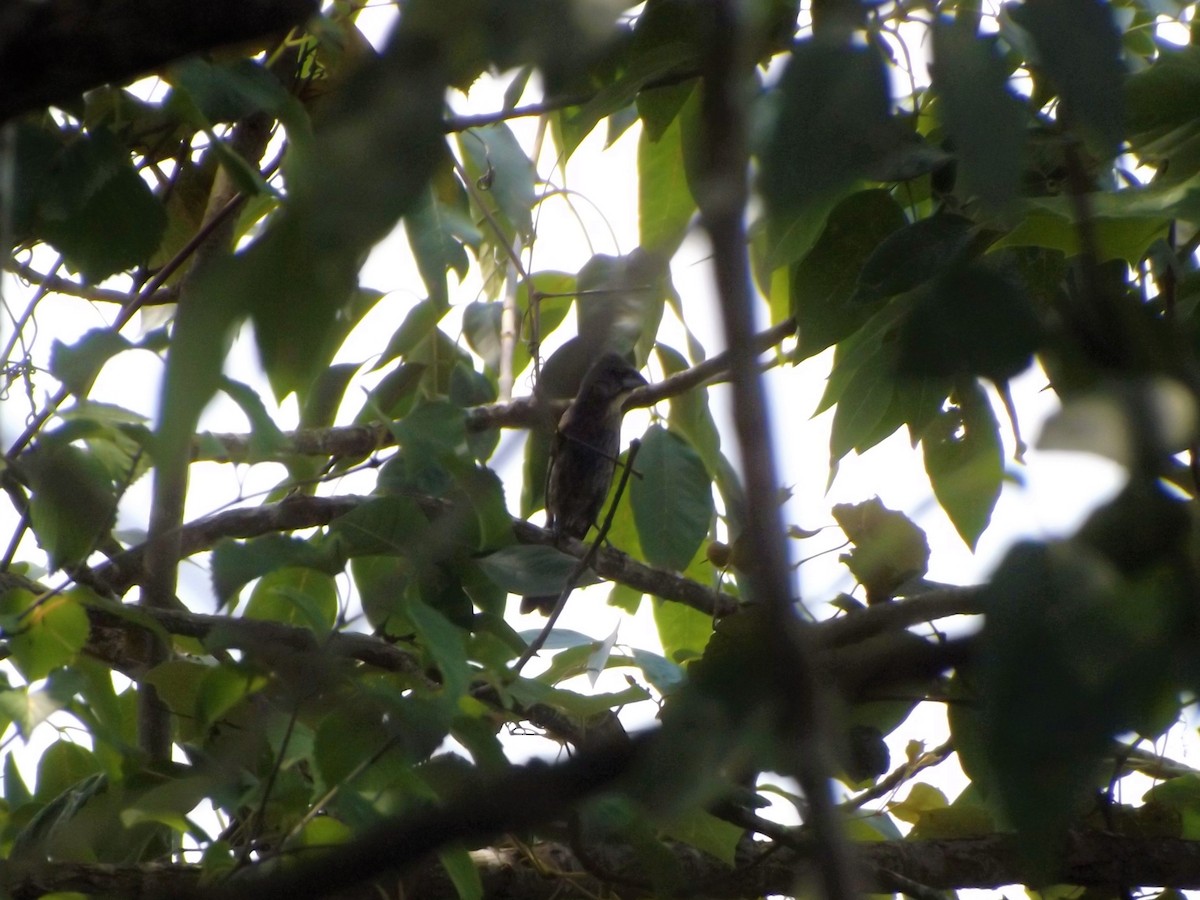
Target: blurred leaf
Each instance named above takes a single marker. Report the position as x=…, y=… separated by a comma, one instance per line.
x=1079, y=48
x=690, y=414
x=28, y=708
x=463, y=875
x=700, y=829
x=531, y=569
x=665, y=202
x=33, y=840
x=911, y=255
x=921, y=799
x=227, y=92
x=96, y=210
x=863, y=404
x=381, y=526
x=74, y=502
x=683, y=631
x=983, y=118
x=825, y=291
x=1072, y=655
x=266, y=440
x=435, y=233
x=970, y=320
x=49, y=632
x=302, y=597
x=503, y=177
x=672, y=500
x=236, y=563
x=444, y=643
x=832, y=116
x=77, y=365
x=965, y=461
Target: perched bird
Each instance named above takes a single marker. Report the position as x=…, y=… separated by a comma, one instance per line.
x=584, y=453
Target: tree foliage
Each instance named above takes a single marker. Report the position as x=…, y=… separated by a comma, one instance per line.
x=333, y=720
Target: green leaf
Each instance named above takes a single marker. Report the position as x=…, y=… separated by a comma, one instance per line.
x=665, y=202
x=1181, y=795
x=672, y=500
x=222, y=688
x=531, y=569
x=1125, y=238
x=28, y=709
x=302, y=597
x=824, y=285
x=77, y=366
x=265, y=437
x=620, y=304
x=689, y=414
x=1079, y=47
x=63, y=766
x=463, y=875
x=831, y=118
x=383, y=526
x=99, y=213
x=74, y=502
x=170, y=802
x=382, y=583
x=983, y=118
x=1072, y=654
x=578, y=122
x=444, y=643
x=16, y=792
x=193, y=372
x=683, y=631
x=914, y=254
x=49, y=632
x=971, y=320
x=49, y=821
x=229, y=91
x=504, y=176
x=347, y=188
x=965, y=461
x=862, y=406
x=434, y=231
x=483, y=490
x=706, y=832
x=236, y=563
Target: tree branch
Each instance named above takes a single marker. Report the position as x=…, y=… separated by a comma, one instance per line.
x=1093, y=859
x=722, y=200
x=53, y=51
x=360, y=441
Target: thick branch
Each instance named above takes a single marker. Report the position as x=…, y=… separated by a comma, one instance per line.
x=53, y=51
x=1094, y=859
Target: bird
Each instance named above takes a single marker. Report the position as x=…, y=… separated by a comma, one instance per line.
x=583, y=455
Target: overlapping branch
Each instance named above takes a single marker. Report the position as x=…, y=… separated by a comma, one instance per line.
x=1094, y=859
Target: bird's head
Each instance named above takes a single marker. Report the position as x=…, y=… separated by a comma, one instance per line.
x=610, y=380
